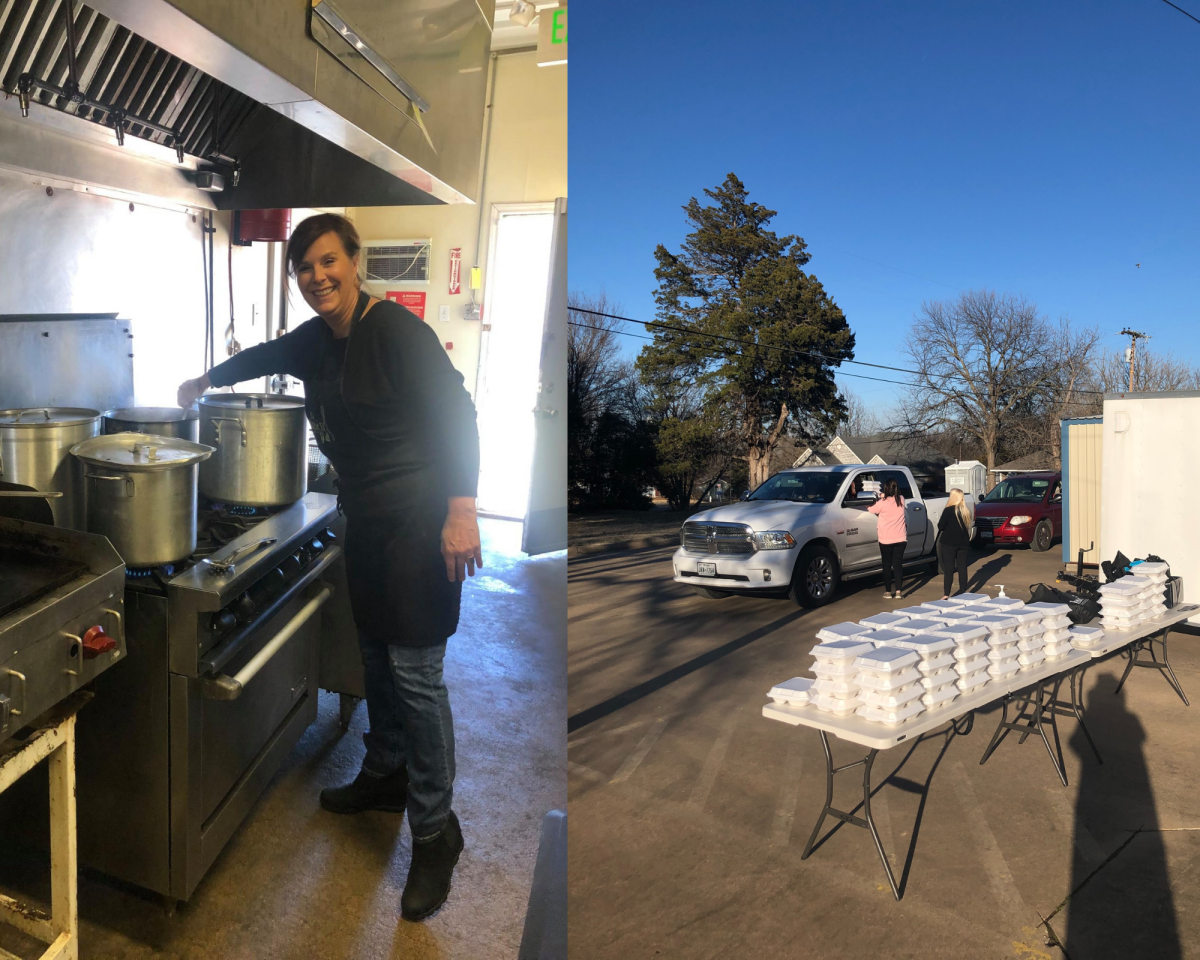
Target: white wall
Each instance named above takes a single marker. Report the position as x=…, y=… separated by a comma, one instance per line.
x=76, y=252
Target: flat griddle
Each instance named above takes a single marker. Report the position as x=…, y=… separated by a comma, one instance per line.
x=25, y=576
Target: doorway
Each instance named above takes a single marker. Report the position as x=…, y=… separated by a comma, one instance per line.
x=514, y=313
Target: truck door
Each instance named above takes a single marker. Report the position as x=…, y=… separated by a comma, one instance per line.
x=915, y=519
x=862, y=529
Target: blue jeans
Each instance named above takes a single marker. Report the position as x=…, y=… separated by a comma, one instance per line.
x=408, y=707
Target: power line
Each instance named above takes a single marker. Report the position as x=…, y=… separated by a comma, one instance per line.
x=1181, y=10
x=771, y=346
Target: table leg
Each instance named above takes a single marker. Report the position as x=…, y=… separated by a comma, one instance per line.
x=887, y=867
x=1077, y=707
x=1174, y=679
x=1030, y=697
x=829, y=772
x=1059, y=763
x=1001, y=731
x=1163, y=666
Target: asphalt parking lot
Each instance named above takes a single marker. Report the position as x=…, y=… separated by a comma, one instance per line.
x=689, y=809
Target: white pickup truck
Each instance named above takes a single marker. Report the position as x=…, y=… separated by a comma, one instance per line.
x=801, y=533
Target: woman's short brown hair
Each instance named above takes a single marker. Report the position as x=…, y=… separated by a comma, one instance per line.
x=311, y=229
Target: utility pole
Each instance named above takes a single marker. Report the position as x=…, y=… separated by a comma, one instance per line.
x=1131, y=353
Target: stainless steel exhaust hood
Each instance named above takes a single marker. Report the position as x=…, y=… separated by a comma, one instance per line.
x=346, y=103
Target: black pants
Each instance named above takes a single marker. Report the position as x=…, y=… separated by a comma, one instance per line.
x=949, y=558
x=893, y=565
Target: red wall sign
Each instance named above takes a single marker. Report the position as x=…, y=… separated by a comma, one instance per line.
x=456, y=270
x=413, y=300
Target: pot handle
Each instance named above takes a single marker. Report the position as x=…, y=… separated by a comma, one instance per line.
x=45, y=412
x=217, y=421
x=258, y=400
x=128, y=481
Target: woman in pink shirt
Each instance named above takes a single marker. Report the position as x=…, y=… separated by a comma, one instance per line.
x=893, y=535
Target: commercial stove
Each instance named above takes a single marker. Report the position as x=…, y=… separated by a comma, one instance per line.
x=61, y=622
x=220, y=682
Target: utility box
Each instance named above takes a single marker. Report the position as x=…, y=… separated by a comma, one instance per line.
x=970, y=476
x=1148, y=457
x=1082, y=443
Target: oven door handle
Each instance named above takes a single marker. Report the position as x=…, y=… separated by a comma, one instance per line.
x=225, y=687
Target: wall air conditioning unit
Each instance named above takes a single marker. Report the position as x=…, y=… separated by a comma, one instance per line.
x=397, y=261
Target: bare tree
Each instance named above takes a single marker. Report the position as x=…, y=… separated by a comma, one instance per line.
x=860, y=420
x=1152, y=372
x=986, y=362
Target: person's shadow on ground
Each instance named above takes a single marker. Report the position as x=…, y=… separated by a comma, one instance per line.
x=1121, y=905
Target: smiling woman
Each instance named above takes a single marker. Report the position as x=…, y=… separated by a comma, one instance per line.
x=390, y=411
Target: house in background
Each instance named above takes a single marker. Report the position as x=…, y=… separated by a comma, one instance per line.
x=1038, y=462
x=928, y=465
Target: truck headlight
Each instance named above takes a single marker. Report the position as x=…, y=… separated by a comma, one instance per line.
x=774, y=540
x=1020, y=519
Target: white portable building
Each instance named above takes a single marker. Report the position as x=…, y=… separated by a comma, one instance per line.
x=1149, y=454
x=970, y=476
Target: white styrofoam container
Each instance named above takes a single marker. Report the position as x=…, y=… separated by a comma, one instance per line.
x=1082, y=632
x=842, y=631
x=1026, y=617
x=1003, y=603
x=840, y=650
x=869, y=680
x=930, y=667
x=1054, y=636
x=1124, y=587
x=1030, y=644
x=975, y=680
x=1151, y=568
x=951, y=617
x=892, y=699
x=919, y=625
x=795, y=690
x=978, y=609
x=834, y=687
x=999, y=656
x=937, y=680
x=927, y=645
x=937, y=698
x=1049, y=609
x=892, y=717
x=969, y=651
x=966, y=599
x=1004, y=669
x=942, y=605
x=1005, y=641
x=1056, y=623
x=883, y=635
x=1119, y=601
x=962, y=633
x=996, y=622
x=1030, y=630
x=1028, y=660
x=839, y=708
x=886, y=659
x=965, y=668
x=880, y=621
x=843, y=668
x=916, y=612
x=1056, y=650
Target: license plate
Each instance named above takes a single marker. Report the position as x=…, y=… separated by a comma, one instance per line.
x=987, y=534
x=706, y=569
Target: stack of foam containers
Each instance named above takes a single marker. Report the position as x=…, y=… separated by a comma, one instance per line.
x=967, y=599
x=1005, y=652
x=1085, y=638
x=1157, y=572
x=836, y=690
x=951, y=617
x=1056, y=628
x=882, y=621
x=1121, y=604
x=936, y=667
x=883, y=637
x=920, y=610
x=970, y=652
x=794, y=691
x=1002, y=603
x=944, y=605
x=890, y=685
x=918, y=625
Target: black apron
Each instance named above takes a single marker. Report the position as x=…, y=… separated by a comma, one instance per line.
x=395, y=572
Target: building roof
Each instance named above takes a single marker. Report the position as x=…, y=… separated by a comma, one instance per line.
x=881, y=448
x=1043, y=460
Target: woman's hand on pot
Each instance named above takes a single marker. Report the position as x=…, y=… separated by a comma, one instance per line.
x=460, y=540
x=190, y=390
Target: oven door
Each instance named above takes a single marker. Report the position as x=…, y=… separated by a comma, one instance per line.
x=226, y=749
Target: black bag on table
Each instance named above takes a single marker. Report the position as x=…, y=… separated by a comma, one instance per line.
x=1083, y=609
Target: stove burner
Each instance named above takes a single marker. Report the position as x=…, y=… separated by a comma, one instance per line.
x=244, y=511
x=163, y=571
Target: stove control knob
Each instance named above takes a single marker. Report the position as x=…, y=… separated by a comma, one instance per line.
x=330, y=536
x=96, y=642
x=292, y=566
x=316, y=546
x=224, y=620
x=244, y=607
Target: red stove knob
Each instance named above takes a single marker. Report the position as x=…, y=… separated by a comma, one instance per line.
x=96, y=642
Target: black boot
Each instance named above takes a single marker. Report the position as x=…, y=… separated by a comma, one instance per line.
x=429, y=874
x=368, y=793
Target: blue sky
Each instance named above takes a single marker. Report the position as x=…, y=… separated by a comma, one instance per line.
x=1041, y=148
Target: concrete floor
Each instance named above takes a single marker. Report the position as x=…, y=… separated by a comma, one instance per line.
x=689, y=809
x=298, y=882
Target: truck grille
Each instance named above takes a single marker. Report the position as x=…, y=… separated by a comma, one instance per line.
x=719, y=538
x=990, y=523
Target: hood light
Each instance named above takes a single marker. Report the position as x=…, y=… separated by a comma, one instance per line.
x=774, y=540
x=1019, y=519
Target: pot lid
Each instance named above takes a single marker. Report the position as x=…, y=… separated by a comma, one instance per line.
x=47, y=416
x=152, y=414
x=251, y=401
x=140, y=451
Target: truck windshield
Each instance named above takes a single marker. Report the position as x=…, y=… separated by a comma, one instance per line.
x=1018, y=490
x=801, y=487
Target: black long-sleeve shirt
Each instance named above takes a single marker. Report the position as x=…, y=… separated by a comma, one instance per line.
x=400, y=388
x=955, y=536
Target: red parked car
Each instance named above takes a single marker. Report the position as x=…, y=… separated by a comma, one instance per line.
x=1025, y=508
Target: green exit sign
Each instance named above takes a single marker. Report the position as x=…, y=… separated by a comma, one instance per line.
x=552, y=36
